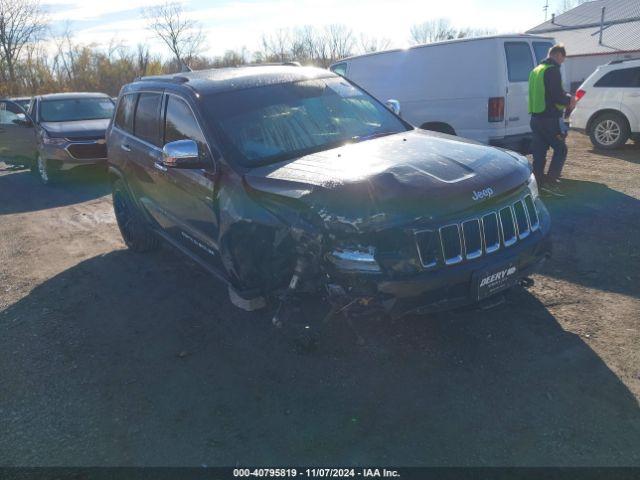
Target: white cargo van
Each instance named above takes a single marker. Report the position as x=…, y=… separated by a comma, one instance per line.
x=475, y=88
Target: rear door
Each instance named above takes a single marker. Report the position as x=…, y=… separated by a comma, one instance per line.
x=519, y=62
x=17, y=134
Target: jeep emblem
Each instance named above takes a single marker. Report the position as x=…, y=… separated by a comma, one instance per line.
x=486, y=193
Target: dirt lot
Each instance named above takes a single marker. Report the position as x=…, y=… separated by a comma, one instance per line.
x=113, y=358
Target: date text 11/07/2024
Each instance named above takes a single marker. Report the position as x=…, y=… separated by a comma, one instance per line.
x=316, y=472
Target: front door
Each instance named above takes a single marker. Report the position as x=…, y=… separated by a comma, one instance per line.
x=17, y=134
x=185, y=197
x=631, y=97
x=519, y=61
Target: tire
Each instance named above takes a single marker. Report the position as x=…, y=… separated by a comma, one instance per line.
x=609, y=131
x=40, y=168
x=135, y=230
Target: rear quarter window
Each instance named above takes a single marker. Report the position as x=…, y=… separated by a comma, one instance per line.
x=124, y=114
x=541, y=49
x=519, y=61
x=622, y=78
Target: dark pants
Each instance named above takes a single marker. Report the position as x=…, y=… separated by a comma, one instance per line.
x=546, y=133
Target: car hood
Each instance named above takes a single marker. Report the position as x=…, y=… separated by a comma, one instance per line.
x=415, y=174
x=77, y=129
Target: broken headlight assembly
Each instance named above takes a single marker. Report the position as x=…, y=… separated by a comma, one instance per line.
x=354, y=259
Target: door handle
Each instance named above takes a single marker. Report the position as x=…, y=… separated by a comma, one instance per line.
x=125, y=147
x=159, y=166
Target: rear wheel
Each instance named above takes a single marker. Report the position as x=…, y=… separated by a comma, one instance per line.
x=135, y=230
x=609, y=131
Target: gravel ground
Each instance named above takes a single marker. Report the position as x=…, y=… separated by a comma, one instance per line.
x=112, y=358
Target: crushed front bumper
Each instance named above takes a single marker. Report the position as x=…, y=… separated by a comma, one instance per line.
x=448, y=287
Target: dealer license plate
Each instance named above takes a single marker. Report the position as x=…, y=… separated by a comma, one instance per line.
x=489, y=282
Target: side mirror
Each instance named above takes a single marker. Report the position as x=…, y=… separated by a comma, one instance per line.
x=181, y=154
x=23, y=120
x=393, y=105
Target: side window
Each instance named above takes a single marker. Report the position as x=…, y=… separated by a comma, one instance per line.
x=124, y=115
x=519, y=61
x=180, y=124
x=340, y=69
x=10, y=113
x=146, y=125
x=541, y=49
x=623, y=78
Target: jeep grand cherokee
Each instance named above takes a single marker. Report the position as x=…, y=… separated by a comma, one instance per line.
x=282, y=180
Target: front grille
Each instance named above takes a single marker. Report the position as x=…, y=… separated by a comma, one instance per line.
x=475, y=237
x=87, y=150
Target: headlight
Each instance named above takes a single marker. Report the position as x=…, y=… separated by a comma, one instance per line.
x=533, y=187
x=357, y=259
x=47, y=140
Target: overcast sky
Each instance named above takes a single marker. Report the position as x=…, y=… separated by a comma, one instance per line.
x=234, y=24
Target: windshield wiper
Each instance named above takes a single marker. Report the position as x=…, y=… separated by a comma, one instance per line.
x=360, y=138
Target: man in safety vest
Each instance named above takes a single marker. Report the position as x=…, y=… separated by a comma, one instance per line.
x=547, y=103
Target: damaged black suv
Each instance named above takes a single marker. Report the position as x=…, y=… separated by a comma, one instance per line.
x=286, y=180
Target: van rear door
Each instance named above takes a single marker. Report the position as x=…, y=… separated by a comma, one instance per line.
x=519, y=61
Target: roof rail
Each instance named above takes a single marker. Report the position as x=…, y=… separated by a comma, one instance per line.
x=270, y=64
x=615, y=62
x=162, y=78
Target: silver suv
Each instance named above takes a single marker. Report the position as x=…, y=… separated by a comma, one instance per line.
x=59, y=132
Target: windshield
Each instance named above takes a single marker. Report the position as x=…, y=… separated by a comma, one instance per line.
x=69, y=110
x=278, y=122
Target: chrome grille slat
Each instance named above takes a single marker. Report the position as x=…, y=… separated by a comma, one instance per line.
x=474, y=237
x=451, y=244
x=428, y=246
x=532, y=213
x=522, y=221
x=508, y=226
x=491, y=232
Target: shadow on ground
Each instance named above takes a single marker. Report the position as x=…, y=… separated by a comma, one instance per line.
x=596, y=238
x=629, y=152
x=132, y=359
x=21, y=191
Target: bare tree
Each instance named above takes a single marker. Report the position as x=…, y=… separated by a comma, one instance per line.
x=21, y=22
x=370, y=44
x=432, y=31
x=474, y=32
x=340, y=41
x=276, y=46
x=181, y=34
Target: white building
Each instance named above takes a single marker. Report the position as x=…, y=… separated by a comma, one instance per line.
x=594, y=33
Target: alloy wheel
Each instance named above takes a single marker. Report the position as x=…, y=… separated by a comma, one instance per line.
x=607, y=132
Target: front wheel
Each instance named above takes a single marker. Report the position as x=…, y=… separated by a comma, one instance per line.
x=609, y=131
x=136, y=233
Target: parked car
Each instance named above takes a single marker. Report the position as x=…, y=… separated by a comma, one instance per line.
x=282, y=180
x=63, y=131
x=475, y=88
x=608, y=107
x=17, y=137
x=22, y=101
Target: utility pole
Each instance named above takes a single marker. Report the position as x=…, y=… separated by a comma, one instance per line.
x=546, y=10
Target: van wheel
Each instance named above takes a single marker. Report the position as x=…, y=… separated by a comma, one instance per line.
x=134, y=229
x=609, y=131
